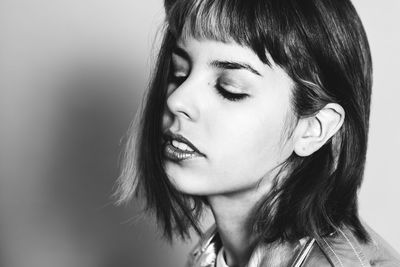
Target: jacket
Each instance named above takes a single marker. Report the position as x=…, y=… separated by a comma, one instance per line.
x=341, y=249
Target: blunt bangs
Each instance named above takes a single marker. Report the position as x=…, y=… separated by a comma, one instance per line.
x=247, y=23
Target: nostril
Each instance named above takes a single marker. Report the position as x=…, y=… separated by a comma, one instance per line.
x=185, y=114
x=179, y=107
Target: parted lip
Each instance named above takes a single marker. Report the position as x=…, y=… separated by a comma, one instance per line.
x=169, y=136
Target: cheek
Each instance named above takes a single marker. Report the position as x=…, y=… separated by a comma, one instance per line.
x=247, y=144
x=167, y=119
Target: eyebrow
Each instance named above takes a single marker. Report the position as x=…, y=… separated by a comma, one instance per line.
x=220, y=64
x=231, y=65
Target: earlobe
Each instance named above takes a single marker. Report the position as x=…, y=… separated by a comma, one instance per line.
x=316, y=130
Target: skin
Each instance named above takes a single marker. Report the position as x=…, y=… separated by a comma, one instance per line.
x=244, y=141
x=228, y=132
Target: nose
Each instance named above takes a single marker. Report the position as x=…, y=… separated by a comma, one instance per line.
x=182, y=102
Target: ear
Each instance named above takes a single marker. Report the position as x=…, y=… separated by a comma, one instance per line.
x=313, y=132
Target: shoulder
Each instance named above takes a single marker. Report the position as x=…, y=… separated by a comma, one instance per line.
x=344, y=249
x=379, y=252
x=341, y=249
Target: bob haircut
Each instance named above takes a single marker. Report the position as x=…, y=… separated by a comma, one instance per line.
x=322, y=46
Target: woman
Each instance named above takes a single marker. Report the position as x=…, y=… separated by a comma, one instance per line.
x=259, y=111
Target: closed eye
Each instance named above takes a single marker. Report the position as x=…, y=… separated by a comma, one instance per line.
x=229, y=95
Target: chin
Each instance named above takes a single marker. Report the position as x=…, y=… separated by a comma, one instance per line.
x=187, y=182
x=187, y=185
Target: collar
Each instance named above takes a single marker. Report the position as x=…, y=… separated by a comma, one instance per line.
x=274, y=255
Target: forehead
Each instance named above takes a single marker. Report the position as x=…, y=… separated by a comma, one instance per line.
x=206, y=50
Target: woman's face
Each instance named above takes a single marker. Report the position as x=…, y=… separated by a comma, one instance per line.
x=233, y=109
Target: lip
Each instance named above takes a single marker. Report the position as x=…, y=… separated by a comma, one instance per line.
x=177, y=154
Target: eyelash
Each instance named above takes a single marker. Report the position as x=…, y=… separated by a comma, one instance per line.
x=178, y=80
x=228, y=95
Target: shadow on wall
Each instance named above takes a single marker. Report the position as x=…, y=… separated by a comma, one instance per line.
x=67, y=217
x=95, y=111
x=71, y=73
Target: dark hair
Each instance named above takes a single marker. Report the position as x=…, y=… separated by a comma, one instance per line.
x=322, y=46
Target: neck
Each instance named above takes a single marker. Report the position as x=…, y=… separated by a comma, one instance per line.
x=232, y=215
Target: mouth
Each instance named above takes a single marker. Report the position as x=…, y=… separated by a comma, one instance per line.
x=178, y=148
